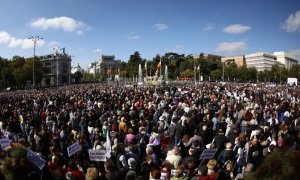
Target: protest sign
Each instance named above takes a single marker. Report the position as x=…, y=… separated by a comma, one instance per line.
x=36, y=159
x=186, y=172
x=74, y=148
x=4, y=142
x=208, y=153
x=97, y=155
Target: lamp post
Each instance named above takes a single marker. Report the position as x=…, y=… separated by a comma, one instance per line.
x=34, y=39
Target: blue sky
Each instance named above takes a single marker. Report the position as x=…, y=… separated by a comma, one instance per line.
x=90, y=28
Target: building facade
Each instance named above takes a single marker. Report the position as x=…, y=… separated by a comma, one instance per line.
x=285, y=59
x=77, y=69
x=106, y=64
x=57, y=69
x=261, y=61
x=238, y=60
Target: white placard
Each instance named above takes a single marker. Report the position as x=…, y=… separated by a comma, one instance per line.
x=97, y=155
x=74, y=148
x=4, y=143
x=186, y=172
x=35, y=159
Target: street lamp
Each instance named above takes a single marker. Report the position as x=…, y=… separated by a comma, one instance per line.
x=34, y=39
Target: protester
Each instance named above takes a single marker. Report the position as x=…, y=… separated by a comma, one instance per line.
x=151, y=126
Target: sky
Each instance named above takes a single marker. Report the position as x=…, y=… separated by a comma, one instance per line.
x=89, y=28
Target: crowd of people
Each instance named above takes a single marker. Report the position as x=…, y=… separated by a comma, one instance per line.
x=156, y=132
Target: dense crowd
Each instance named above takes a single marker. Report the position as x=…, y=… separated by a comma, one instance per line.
x=156, y=132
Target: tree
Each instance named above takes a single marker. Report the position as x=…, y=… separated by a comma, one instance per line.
x=216, y=74
x=77, y=76
x=173, y=60
x=133, y=64
x=281, y=164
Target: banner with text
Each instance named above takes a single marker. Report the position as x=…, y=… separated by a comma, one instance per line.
x=36, y=159
x=4, y=142
x=74, y=148
x=97, y=155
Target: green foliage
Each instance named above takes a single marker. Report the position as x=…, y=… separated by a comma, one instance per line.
x=216, y=75
x=133, y=64
x=17, y=71
x=16, y=165
x=281, y=164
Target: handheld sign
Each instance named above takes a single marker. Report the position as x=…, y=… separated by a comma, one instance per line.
x=97, y=155
x=35, y=159
x=74, y=148
x=186, y=172
x=4, y=143
x=208, y=153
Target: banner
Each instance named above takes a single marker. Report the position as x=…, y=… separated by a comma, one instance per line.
x=36, y=159
x=186, y=172
x=208, y=153
x=74, y=148
x=4, y=143
x=97, y=155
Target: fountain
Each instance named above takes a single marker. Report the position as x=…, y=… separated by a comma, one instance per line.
x=140, y=76
x=166, y=74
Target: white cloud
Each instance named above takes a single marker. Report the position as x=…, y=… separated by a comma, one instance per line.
x=53, y=44
x=80, y=32
x=208, y=27
x=178, y=46
x=59, y=23
x=160, y=26
x=295, y=53
x=13, y=42
x=4, y=37
x=98, y=50
x=236, y=29
x=133, y=37
x=292, y=23
x=231, y=47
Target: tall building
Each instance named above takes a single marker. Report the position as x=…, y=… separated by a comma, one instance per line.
x=286, y=59
x=57, y=69
x=238, y=60
x=261, y=61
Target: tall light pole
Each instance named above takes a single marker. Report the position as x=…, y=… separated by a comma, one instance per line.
x=34, y=39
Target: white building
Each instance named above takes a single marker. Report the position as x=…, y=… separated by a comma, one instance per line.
x=105, y=64
x=76, y=69
x=285, y=59
x=261, y=61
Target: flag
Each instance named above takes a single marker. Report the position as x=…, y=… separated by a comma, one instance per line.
x=159, y=65
x=108, y=146
x=198, y=67
x=146, y=65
